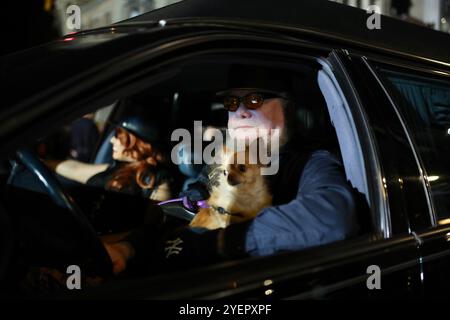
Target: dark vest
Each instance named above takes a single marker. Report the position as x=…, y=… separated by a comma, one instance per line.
x=285, y=183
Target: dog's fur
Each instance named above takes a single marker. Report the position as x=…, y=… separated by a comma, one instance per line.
x=241, y=191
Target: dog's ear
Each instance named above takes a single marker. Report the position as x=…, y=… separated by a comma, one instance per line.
x=225, y=148
x=254, y=149
x=223, y=155
x=239, y=158
x=264, y=165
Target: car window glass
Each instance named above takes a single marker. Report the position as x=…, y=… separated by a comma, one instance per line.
x=424, y=103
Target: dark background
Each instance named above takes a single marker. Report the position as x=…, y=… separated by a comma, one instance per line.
x=26, y=23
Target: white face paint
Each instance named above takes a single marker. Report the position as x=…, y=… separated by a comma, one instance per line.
x=246, y=123
x=118, y=151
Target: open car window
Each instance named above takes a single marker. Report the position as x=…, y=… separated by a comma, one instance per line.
x=188, y=101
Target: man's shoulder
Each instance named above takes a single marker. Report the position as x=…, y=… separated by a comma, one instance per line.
x=300, y=160
x=319, y=160
x=312, y=156
x=323, y=155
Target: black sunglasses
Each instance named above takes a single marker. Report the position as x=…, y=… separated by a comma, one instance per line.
x=252, y=101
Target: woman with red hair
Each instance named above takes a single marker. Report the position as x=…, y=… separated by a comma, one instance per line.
x=139, y=167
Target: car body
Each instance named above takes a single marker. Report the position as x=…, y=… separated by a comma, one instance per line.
x=408, y=241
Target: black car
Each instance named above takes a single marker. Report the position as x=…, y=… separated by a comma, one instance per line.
x=380, y=98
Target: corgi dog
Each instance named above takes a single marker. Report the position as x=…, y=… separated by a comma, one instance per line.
x=239, y=195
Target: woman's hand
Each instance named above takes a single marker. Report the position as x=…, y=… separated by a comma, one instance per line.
x=52, y=164
x=119, y=253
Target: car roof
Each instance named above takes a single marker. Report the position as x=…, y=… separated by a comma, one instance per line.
x=321, y=16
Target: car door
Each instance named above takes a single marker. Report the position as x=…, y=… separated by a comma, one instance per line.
x=388, y=160
x=337, y=270
x=387, y=254
x=421, y=96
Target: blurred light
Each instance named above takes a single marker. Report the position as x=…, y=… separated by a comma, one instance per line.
x=444, y=221
x=268, y=282
x=48, y=5
x=162, y=23
x=268, y=292
x=216, y=106
x=443, y=21
x=447, y=236
x=448, y=131
x=432, y=178
x=69, y=39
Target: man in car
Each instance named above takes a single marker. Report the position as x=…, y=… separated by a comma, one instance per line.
x=313, y=204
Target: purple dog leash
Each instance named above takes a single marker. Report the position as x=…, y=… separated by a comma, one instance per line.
x=188, y=204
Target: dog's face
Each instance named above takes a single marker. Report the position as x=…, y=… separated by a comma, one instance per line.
x=241, y=189
x=241, y=173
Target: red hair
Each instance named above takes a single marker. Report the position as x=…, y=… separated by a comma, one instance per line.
x=145, y=157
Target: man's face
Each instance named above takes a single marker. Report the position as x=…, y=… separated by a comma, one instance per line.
x=243, y=122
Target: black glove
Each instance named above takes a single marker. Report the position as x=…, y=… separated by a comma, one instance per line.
x=186, y=248
x=190, y=247
x=157, y=245
x=201, y=188
x=196, y=191
x=158, y=248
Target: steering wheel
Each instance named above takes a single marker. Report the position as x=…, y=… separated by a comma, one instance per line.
x=96, y=254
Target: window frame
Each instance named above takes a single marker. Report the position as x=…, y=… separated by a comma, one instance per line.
x=437, y=74
x=354, y=252
x=357, y=126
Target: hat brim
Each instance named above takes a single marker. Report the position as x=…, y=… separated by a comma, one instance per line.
x=228, y=91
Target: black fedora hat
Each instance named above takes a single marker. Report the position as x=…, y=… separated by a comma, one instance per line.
x=250, y=77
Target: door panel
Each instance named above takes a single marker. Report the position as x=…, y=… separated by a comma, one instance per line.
x=401, y=177
x=392, y=164
x=422, y=98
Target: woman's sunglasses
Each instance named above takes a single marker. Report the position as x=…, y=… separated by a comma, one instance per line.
x=251, y=101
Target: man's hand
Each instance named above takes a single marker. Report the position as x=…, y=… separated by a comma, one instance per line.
x=119, y=253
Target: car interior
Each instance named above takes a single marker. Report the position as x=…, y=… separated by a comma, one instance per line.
x=44, y=237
